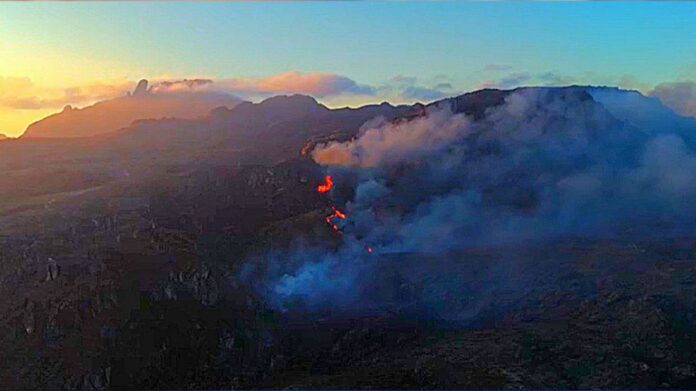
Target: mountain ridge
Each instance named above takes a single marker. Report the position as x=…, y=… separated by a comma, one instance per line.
x=145, y=234
x=112, y=114
x=83, y=122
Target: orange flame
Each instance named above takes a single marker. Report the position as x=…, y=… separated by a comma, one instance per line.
x=326, y=186
x=337, y=214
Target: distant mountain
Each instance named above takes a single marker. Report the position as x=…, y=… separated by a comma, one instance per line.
x=2, y=136
x=277, y=127
x=110, y=115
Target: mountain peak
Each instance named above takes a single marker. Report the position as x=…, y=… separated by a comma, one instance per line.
x=295, y=101
x=290, y=106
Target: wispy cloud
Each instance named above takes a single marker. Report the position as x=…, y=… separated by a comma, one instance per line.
x=184, y=85
x=313, y=83
x=20, y=93
x=517, y=79
x=402, y=88
x=497, y=67
x=425, y=93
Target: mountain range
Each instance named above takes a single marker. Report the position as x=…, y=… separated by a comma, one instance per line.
x=540, y=237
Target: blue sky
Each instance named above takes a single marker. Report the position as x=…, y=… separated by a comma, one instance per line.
x=369, y=42
x=458, y=46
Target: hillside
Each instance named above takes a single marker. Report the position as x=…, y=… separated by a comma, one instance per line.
x=527, y=238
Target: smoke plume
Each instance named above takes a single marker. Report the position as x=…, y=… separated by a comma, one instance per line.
x=549, y=163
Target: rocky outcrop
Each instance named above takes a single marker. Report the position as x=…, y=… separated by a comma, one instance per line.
x=52, y=269
x=141, y=88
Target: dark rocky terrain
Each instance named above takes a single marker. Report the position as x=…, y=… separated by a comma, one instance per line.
x=120, y=257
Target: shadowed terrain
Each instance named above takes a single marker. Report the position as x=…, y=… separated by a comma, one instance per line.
x=139, y=257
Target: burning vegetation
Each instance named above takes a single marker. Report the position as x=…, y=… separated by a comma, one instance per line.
x=337, y=213
x=326, y=186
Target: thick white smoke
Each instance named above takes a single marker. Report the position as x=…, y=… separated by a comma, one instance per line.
x=548, y=163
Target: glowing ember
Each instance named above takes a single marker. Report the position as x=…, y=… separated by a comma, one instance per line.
x=336, y=214
x=326, y=186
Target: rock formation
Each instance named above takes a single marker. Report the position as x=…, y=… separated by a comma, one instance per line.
x=141, y=88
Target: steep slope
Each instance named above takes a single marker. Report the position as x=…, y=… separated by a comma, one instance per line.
x=110, y=115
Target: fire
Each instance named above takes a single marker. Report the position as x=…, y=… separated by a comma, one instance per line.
x=337, y=213
x=326, y=186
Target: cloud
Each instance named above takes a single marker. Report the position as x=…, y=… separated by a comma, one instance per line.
x=679, y=96
x=426, y=94
x=518, y=79
x=21, y=93
x=556, y=79
x=185, y=85
x=411, y=89
x=315, y=84
x=497, y=67
x=401, y=80
x=511, y=80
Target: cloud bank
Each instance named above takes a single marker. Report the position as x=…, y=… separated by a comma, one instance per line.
x=20, y=97
x=315, y=84
x=22, y=94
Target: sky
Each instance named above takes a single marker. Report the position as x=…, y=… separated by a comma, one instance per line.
x=344, y=53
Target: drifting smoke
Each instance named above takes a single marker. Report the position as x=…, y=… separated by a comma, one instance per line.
x=548, y=163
